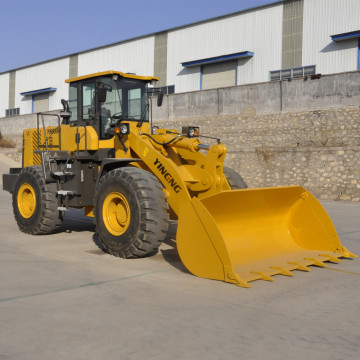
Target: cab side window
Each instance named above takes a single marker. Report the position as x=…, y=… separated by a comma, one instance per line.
x=88, y=101
x=134, y=104
x=73, y=102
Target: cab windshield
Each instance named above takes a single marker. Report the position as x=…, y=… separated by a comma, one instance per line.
x=125, y=100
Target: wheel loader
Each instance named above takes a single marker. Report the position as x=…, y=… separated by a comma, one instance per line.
x=103, y=155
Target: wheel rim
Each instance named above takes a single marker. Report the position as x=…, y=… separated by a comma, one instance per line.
x=116, y=213
x=26, y=200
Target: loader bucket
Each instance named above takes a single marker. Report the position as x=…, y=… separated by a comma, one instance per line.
x=243, y=235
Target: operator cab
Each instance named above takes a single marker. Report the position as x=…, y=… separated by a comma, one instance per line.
x=108, y=98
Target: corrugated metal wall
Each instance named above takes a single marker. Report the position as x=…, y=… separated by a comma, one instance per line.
x=323, y=18
x=135, y=56
x=4, y=93
x=292, y=33
x=256, y=31
x=160, y=58
x=50, y=74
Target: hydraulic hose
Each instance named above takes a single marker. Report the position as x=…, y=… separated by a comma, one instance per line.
x=159, y=143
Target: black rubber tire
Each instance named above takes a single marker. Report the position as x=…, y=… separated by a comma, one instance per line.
x=148, y=213
x=234, y=179
x=46, y=218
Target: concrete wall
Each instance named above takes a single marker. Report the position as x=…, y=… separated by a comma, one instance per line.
x=298, y=94
x=15, y=125
x=11, y=128
x=304, y=131
x=319, y=150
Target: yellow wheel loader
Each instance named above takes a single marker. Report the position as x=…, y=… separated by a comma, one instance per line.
x=104, y=156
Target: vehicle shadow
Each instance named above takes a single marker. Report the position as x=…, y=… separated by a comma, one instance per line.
x=170, y=253
x=75, y=220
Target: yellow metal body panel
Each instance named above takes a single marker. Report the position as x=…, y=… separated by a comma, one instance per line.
x=244, y=235
x=89, y=141
x=111, y=72
x=32, y=141
x=89, y=211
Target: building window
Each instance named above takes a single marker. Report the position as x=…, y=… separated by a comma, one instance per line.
x=292, y=73
x=12, y=112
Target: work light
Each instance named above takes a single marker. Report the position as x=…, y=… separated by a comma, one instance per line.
x=122, y=129
x=190, y=131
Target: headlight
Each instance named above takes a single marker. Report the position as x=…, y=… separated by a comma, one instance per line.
x=190, y=131
x=122, y=129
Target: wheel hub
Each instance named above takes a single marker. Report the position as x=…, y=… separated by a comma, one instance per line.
x=26, y=200
x=116, y=213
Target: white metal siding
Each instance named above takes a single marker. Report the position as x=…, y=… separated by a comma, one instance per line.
x=131, y=57
x=323, y=18
x=4, y=93
x=50, y=74
x=258, y=31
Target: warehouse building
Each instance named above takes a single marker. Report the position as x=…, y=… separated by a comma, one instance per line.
x=285, y=39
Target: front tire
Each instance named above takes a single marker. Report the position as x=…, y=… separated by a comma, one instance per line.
x=234, y=179
x=35, y=204
x=131, y=213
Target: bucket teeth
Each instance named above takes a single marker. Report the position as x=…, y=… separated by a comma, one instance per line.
x=352, y=255
x=316, y=262
x=263, y=276
x=331, y=258
x=299, y=266
x=238, y=280
x=282, y=271
x=345, y=252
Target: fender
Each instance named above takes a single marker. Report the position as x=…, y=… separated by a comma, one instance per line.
x=109, y=164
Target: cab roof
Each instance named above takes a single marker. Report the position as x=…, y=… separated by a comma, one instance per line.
x=111, y=72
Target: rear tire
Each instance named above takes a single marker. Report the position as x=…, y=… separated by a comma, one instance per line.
x=35, y=204
x=234, y=179
x=131, y=213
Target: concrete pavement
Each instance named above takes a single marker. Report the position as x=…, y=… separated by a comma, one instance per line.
x=62, y=298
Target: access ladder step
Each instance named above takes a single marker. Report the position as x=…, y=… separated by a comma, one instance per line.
x=63, y=173
x=67, y=193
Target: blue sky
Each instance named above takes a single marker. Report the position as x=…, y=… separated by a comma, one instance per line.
x=37, y=30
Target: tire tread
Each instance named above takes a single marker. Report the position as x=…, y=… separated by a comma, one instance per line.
x=153, y=212
x=49, y=219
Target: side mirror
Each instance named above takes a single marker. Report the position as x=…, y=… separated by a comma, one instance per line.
x=160, y=97
x=101, y=94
